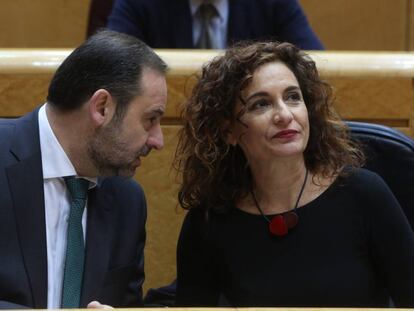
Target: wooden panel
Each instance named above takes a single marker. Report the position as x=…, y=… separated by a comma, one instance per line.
x=410, y=25
x=179, y=90
x=21, y=93
x=385, y=101
x=43, y=23
x=359, y=25
x=164, y=216
x=184, y=63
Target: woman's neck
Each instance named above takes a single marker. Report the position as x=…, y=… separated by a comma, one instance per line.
x=277, y=186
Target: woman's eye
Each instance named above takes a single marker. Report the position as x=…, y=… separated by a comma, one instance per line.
x=294, y=96
x=259, y=104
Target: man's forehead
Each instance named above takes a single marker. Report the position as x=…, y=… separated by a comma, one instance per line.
x=150, y=77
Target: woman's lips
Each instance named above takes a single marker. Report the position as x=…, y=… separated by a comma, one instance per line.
x=286, y=134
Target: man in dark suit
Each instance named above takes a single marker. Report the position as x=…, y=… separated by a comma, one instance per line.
x=102, y=114
x=173, y=23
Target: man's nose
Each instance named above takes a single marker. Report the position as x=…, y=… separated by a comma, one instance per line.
x=156, y=138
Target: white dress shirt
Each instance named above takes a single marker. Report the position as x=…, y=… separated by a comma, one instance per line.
x=55, y=166
x=218, y=23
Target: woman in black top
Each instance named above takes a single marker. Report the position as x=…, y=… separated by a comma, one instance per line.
x=280, y=212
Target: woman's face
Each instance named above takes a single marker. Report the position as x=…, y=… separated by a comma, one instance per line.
x=275, y=122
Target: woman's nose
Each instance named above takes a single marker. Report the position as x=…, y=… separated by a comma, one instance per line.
x=282, y=114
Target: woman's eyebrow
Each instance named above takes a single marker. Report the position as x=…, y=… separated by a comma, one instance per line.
x=292, y=88
x=258, y=94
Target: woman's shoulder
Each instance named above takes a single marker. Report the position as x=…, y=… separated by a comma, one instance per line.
x=365, y=183
x=361, y=178
x=199, y=216
x=195, y=215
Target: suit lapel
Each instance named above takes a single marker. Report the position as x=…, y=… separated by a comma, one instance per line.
x=26, y=186
x=98, y=241
x=239, y=25
x=183, y=23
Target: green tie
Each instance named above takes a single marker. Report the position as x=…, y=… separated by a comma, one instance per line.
x=75, y=248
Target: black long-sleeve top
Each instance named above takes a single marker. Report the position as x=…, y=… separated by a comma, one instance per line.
x=352, y=247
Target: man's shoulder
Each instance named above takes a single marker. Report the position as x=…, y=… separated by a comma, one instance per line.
x=21, y=128
x=7, y=128
x=125, y=196
x=121, y=186
x=7, y=125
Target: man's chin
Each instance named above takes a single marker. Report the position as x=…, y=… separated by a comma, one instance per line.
x=130, y=170
x=126, y=172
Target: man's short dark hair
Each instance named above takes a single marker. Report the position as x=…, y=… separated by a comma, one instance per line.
x=108, y=60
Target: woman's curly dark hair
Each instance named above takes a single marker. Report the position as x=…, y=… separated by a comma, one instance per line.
x=216, y=174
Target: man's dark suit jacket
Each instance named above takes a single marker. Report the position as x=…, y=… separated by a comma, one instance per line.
x=168, y=23
x=115, y=228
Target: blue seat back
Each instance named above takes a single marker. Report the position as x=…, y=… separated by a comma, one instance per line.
x=390, y=154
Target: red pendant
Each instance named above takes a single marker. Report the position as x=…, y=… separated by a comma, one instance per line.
x=279, y=225
x=291, y=219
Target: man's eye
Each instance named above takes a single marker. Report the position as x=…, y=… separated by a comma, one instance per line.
x=152, y=120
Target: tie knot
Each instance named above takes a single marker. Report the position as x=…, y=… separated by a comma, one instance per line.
x=78, y=187
x=207, y=11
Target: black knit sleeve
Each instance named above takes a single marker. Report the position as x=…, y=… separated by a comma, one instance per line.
x=391, y=239
x=196, y=270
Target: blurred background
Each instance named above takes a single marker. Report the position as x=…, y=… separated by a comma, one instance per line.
x=340, y=24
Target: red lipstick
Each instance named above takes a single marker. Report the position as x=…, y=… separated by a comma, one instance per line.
x=286, y=134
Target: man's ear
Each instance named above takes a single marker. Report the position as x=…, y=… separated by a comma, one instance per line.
x=101, y=107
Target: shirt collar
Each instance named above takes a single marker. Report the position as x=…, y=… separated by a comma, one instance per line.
x=55, y=162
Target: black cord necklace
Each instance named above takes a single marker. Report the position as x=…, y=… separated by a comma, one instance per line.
x=280, y=224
